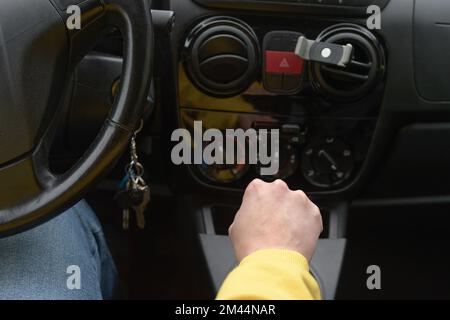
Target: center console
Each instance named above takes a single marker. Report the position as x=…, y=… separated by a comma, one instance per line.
x=237, y=67
x=240, y=72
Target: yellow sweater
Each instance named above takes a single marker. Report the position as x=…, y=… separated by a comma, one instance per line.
x=271, y=274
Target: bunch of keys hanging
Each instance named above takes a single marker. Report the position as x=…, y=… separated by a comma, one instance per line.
x=134, y=193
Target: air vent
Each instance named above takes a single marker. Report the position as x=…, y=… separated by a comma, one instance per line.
x=221, y=56
x=363, y=73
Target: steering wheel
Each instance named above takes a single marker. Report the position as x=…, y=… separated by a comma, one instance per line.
x=38, y=53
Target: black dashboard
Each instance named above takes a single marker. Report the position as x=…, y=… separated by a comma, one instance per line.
x=350, y=115
x=345, y=132
x=326, y=115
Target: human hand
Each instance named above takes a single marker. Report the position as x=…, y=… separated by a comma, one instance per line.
x=273, y=217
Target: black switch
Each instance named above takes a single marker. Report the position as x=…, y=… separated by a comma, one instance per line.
x=273, y=81
x=283, y=69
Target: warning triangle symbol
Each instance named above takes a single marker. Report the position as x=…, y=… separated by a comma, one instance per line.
x=284, y=64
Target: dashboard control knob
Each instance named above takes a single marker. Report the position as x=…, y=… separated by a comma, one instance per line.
x=327, y=162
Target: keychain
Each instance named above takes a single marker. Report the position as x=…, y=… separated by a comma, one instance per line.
x=134, y=194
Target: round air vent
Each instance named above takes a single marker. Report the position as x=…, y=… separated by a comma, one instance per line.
x=221, y=56
x=365, y=70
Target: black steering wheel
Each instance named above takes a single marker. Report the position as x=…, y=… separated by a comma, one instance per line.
x=38, y=53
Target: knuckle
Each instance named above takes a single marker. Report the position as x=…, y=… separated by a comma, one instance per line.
x=316, y=214
x=280, y=184
x=301, y=196
x=316, y=211
x=255, y=184
x=321, y=225
x=230, y=230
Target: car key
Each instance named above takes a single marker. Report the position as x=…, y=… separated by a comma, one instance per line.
x=127, y=199
x=122, y=200
x=136, y=196
x=142, y=207
x=126, y=219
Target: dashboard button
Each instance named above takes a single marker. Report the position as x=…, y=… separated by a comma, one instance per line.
x=274, y=81
x=291, y=81
x=280, y=59
x=283, y=62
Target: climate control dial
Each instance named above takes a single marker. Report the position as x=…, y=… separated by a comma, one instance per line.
x=327, y=162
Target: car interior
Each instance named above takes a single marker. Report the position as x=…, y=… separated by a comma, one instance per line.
x=367, y=142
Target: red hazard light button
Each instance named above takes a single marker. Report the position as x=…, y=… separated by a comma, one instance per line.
x=283, y=62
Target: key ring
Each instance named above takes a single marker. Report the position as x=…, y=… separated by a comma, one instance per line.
x=135, y=169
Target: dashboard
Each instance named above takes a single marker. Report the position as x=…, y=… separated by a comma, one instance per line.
x=237, y=71
x=345, y=132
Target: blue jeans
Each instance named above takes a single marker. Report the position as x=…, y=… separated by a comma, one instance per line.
x=65, y=258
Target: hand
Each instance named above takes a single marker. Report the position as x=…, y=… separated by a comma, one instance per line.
x=273, y=217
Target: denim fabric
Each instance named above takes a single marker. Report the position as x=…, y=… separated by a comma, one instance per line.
x=34, y=264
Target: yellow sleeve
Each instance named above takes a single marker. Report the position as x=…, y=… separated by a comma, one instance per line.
x=271, y=274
